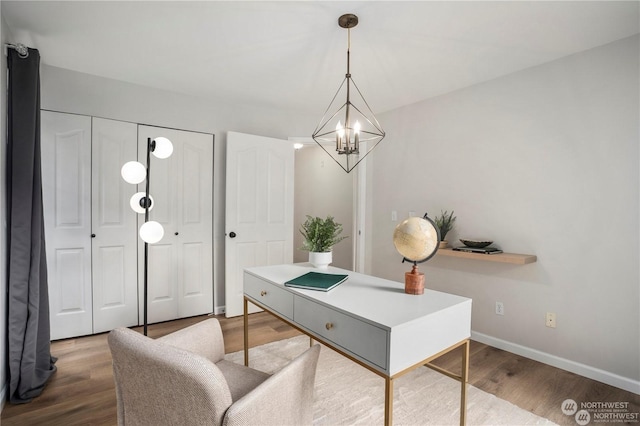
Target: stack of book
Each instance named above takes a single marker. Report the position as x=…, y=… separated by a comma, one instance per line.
x=485, y=250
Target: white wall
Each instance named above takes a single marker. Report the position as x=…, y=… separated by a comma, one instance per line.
x=545, y=162
x=5, y=37
x=69, y=91
x=323, y=189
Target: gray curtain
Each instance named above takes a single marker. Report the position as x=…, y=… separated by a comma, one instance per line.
x=28, y=334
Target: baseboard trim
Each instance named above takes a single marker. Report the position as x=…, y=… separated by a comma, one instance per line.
x=219, y=310
x=609, y=378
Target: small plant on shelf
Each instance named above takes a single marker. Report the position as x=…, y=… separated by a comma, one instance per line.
x=320, y=235
x=445, y=221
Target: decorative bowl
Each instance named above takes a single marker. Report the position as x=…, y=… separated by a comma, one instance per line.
x=476, y=243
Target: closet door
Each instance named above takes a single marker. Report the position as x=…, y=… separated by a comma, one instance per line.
x=194, y=214
x=66, y=189
x=180, y=280
x=114, y=242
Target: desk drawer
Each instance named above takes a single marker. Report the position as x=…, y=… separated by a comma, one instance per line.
x=356, y=336
x=270, y=295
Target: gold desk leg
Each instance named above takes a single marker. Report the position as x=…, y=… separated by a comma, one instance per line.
x=388, y=401
x=246, y=333
x=463, y=383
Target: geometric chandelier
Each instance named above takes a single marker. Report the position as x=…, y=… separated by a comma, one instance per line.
x=348, y=130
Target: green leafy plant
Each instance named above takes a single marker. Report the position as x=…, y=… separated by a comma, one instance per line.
x=320, y=235
x=445, y=222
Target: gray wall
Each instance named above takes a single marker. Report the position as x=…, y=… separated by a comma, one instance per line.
x=323, y=189
x=545, y=162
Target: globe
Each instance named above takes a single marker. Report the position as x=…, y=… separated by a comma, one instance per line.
x=416, y=239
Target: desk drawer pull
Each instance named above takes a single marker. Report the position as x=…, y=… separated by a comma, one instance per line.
x=263, y=293
x=329, y=326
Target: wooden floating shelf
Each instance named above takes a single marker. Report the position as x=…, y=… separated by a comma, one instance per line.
x=513, y=258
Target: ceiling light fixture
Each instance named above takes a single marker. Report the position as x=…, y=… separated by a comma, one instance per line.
x=351, y=131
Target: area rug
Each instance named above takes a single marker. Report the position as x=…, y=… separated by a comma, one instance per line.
x=348, y=394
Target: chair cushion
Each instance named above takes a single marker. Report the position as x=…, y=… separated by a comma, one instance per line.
x=286, y=398
x=240, y=379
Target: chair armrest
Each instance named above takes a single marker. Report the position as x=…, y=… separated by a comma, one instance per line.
x=158, y=384
x=204, y=338
x=285, y=398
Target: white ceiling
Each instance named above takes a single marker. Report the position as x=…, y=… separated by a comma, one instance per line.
x=292, y=54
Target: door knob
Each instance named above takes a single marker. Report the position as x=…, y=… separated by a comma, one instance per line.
x=232, y=234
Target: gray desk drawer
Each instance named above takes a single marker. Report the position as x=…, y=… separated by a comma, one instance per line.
x=272, y=296
x=358, y=337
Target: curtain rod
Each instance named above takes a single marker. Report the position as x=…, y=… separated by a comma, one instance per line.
x=23, y=51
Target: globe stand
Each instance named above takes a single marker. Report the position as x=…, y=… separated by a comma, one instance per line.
x=416, y=239
x=414, y=281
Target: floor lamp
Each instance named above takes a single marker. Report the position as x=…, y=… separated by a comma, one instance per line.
x=141, y=202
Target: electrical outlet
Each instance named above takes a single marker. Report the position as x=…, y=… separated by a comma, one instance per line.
x=550, y=320
x=394, y=216
x=499, y=308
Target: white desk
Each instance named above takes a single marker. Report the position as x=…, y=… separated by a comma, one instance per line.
x=370, y=320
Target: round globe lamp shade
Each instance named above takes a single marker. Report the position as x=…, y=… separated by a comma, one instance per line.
x=163, y=147
x=151, y=232
x=133, y=172
x=137, y=204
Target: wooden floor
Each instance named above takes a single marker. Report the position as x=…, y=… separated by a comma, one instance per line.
x=81, y=392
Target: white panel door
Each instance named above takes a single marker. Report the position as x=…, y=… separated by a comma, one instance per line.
x=114, y=242
x=195, y=223
x=162, y=276
x=180, y=271
x=66, y=189
x=259, y=209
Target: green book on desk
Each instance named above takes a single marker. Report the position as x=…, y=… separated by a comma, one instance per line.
x=317, y=281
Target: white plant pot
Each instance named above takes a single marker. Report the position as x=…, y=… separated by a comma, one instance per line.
x=320, y=260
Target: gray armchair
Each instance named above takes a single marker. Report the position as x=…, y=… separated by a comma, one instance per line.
x=183, y=379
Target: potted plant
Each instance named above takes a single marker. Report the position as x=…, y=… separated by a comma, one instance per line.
x=445, y=221
x=320, y=235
